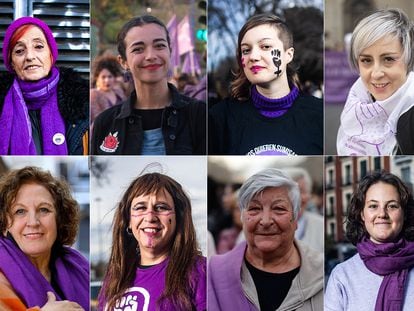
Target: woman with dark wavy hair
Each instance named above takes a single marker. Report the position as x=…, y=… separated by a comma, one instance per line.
x=155, y=261
x=380, y=223
x=39, y=220
x=267, y=113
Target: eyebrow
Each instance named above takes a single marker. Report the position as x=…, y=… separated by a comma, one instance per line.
x=383, y=54
x=35, y=39
x=145, y=203
x=261, y=40
x=39, y=204
x=273, y=202
x=143, y=43
x=376, y=201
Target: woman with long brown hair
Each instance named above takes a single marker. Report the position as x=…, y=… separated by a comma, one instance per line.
x=155, y=262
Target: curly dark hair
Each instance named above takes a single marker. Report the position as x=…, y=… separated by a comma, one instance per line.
x=124, y=259
x=67, y=209
x=108, y=62
x=355, y=229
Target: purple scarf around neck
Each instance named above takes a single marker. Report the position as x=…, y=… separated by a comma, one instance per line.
x=273, y=107
x=71, y=275
x=393, y=261
x=15, y=125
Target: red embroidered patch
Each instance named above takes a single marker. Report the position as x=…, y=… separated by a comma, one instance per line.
x=110, y=143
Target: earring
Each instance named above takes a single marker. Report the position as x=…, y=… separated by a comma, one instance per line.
x=129, y=232
x=127, y=76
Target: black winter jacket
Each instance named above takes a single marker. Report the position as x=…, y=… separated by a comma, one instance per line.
x=73, y=103
x=117, y=131
x=405, y=133
x=237, y=128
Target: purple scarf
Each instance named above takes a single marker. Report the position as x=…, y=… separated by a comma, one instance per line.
x=71, y=275
x=15, y=125
x=273, y=108
x=393, y=261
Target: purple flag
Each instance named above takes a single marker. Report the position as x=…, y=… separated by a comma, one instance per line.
x=191, y=64
x=172, y=27
x=185, y=36
x=338, y=77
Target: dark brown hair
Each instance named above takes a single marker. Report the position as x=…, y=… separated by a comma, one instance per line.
x=240, y=87
x=137, y=22
x=355, y=229
x=67, y=209
x=125, y=252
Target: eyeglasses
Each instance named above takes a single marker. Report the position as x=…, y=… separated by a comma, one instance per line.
x=141, y=210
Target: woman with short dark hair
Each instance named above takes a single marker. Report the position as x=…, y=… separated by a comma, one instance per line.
x=267, y=113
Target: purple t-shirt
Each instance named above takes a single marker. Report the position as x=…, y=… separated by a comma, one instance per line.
x=149, y=283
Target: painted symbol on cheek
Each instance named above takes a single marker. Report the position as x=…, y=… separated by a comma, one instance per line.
x=169, y=220
x=242, y=62
x=277, y=61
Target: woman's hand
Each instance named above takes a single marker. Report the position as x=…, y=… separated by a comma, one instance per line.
x=65, y=305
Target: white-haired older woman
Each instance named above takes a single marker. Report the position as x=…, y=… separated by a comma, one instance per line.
x=378, y=117
x=271, y=270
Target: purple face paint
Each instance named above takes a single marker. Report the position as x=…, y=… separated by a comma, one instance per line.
x=277, y=61
x=150, y=242
x=242, y=62
x=169, y=220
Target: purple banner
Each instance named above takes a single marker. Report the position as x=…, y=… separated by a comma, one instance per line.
x=338, y=77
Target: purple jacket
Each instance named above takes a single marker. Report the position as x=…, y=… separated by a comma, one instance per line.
x=231, y=287
x=225, y=290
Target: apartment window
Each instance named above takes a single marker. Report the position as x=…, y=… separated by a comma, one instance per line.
x=347, y=174
x=377, y=163
x=330, y=206
x=347, y=203
x=332, y=227
x=330, y=179
x=406, y=174
x=363, y=168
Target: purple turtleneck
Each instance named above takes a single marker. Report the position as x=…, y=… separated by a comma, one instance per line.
x=273, y=108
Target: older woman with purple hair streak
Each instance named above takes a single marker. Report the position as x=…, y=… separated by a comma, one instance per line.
x=44, y=110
